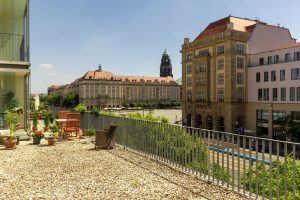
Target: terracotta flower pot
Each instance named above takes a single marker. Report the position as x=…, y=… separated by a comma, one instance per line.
x=46, y=129
x=10, y=143
x=51, y=141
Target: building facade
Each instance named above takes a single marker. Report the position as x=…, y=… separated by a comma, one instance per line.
x=274, y=88
x=214, y=70
x=166, y=65
x=14, y=56
x=105, y=90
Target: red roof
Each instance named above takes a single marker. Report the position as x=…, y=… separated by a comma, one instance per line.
x=214, y=27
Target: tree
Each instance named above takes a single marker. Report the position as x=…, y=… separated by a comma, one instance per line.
x=291, y=125
x=70, y=99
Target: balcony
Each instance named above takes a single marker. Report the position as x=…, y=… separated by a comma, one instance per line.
x=13, y=47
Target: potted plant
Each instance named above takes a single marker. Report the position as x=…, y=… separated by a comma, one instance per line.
x=11, y=118
x=37, y=136
x=35, y=121
x=54, y=134
x=46, y=121
x=89, y=134
x=95, y=111
x=80, y=108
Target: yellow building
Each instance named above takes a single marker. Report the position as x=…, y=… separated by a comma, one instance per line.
x=214, y=73
x=105, y=90
x=14, y=56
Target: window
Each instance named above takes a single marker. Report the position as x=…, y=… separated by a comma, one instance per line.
x=266, y=94
x=283, y=94
x=220, y=95
x=189, y=82
x=295, y=74
x=257, y=77
x=269, y=60
x=189, y=95
x=292, y=93
x=261, y=61
x=273, y=75
x=287, y=57
x=240, y=78
x=220, y=49
x=240, y=62
x=259, y=94
x=276, y=59
x=220, y=63
x=188, y=69
x=201, y=67
x=188, y=57
x=240, y=48
x=266, y=76
x=298, y=94
x=240, y=94
x=275, y=96
x=220, y=79
x=282, y=75
x=297, y=55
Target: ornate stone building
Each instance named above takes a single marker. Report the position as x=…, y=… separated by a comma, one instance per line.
x=214, y=70
x=166, y=65
x=105, y=90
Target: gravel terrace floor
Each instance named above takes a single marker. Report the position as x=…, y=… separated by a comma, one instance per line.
x=73, y=170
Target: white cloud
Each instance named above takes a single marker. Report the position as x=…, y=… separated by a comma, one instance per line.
x=46, y=66
x=52, y=74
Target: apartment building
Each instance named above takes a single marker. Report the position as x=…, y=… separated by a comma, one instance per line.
x=274, y=88
x=14, y=56
x=214, y=70
x=103, y=89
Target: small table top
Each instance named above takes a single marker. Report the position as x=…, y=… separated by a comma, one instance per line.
x=67, y=120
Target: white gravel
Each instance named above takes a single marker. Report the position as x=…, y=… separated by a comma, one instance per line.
x=72, y=170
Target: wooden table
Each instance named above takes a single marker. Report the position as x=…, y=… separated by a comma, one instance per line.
x=62, y=123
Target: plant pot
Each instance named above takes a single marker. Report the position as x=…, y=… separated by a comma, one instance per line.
x=10, y=143
x=36, y=140
x=46, y=129
x=51, y=141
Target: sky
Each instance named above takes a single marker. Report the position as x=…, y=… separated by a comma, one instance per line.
x=128, y=37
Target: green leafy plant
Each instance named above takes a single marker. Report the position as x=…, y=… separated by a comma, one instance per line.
x=11, y=118
x=38, y=135
x=108, y=113
x=90, y=132
x=35, y=120
x=53, y=128
x=80, y=108
x=95, y=111
x=46, y=119
x=164, y=120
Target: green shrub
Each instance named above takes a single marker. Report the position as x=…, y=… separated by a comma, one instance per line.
x=46, y=119
x=35, y=120
x=95, y=110
x=164, y=120
x=90, y=132
x=80, y=108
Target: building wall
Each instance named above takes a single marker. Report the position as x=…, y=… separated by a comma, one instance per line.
x=271, y=104
x=266, y=37
x=200, y=98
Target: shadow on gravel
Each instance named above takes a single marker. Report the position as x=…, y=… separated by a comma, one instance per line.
x=139, y=164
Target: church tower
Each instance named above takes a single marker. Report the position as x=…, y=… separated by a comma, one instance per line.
x=165, y=65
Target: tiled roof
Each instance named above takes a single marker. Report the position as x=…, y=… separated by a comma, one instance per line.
x=214, y=27
x=53, y=86
x=109, y=76
x=290, y=45
x=221, y=25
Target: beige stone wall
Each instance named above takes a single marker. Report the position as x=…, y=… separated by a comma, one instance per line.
x=231, y=108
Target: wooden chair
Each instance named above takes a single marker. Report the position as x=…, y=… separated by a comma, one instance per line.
x=105, y=138
x=72, y=126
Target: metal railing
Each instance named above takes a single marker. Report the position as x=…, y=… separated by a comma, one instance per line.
x=12, y=47
x=257, y=167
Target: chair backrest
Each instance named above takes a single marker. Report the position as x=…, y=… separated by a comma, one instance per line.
x=111, y=130
x=73, y=115
x=62, y=114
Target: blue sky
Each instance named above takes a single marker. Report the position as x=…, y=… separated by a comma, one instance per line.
x=128, y=37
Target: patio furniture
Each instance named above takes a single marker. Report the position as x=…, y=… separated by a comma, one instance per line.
x=105, y=138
